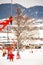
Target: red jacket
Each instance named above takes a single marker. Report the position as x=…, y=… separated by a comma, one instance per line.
x=11, y=56
x=5, y=23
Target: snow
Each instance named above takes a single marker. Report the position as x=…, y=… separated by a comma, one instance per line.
x=27, y=58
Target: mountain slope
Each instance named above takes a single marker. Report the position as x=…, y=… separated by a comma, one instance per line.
x=33, y=12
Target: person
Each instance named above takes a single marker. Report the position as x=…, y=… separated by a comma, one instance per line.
x=5, y=23
x=4, y=51
x=9, y=49
x=10, y=18
x=18, y=56
x=11, y=56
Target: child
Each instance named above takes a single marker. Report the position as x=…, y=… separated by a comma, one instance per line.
x=4, y=51
x=11, y=56
x=18, y=56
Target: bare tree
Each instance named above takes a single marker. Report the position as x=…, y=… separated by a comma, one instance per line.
x=21, y=21
x=22, y=25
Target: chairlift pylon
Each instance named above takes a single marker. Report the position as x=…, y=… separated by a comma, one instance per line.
x=11, y=14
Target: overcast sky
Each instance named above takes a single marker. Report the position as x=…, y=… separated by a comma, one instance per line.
x=26, y=3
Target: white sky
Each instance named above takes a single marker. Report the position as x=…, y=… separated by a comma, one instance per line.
x=26, y=3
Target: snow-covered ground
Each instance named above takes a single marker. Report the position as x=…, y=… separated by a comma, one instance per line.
x=27, y=58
